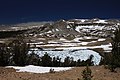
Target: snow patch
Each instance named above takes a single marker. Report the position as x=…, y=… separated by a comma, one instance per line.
x=105, y=47
x=86, y=28
x=77, y=39
x=86, y=37
x=101, y=21
x=57, y=30
x=101, y=39
x=62, y=39
x=93, y=41
x=84, y=43
x=68, y=26
x=49, y=32
x=38, y=69
x=2, y=42
x=82, y=20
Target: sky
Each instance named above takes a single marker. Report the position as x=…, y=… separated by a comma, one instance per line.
x=17, y=11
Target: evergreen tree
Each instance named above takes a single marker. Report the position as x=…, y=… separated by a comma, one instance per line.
x=72, y=62
x=115, y=56
x=33, y=59
x=87, y=73
x=59, y=63
x=46, y=60
x=78, y=62
x=19, y=51
x=67, y=61
x=89, y=61
x=56, y=62
x=4, y=55
x=116, y=46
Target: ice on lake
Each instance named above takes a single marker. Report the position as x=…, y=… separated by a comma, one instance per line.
x=75, y=54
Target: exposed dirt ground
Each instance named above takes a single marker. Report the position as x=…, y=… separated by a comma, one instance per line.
x=98, y=72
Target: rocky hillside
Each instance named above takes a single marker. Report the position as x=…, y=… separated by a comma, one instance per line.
x=79, y=27
x=68, y=34
x=74, y=34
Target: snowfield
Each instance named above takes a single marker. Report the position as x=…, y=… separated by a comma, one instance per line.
x=38, y=69
x=106, y=47
x=87, y=28
x=75, y=54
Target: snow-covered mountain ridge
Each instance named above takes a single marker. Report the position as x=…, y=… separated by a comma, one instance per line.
x=73, y=34
x=69, y=34
x=81, y=27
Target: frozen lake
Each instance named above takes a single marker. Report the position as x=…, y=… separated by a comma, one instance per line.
x=75, y=54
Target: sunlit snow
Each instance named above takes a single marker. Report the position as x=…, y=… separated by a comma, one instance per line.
x=85, y=28
x=101, y=39
x=38, y=69
x=101, y=21
x=105, y=47
x=75, y=54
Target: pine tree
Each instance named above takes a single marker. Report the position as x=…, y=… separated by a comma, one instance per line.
x=66, y=61
x=46, y=60
x=54, y=62
x=33, y=59
x=89, y=61
x=115, y=58
x=4, y=55
x=87, y=73
x=78, y=63
x=19, y=49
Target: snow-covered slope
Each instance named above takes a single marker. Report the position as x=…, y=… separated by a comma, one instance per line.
x=82, y=27
x=74, y=33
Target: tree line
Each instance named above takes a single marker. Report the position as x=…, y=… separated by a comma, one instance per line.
x=46, y=60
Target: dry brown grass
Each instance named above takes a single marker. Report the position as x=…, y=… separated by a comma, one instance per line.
x=98, y=72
